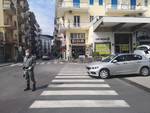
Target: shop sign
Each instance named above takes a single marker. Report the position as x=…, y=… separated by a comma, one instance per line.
x=103, y=39
x=78, y=41
x=103, y=48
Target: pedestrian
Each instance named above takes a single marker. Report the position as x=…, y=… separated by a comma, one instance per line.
x=28, y=66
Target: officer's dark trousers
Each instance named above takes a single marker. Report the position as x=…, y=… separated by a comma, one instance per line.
x=30, y=75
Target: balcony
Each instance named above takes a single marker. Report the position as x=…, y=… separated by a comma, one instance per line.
x=125, y=8
x=72, y=7
x=9, y=25
x=8, y=7
x=75, y=26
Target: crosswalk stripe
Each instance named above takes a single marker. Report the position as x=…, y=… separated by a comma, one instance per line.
x=79, y=103
x=80, y=85
x=72, y=77
x=79, y=92
x=49, y=63
x=77, y=80
x=12, y=65
x=43, y=63
x=73, y=74
x=20, y=64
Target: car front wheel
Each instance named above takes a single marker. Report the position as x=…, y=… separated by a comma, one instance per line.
x=104, y=73
x=144, y=71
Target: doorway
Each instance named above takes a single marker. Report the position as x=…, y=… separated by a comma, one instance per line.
x=123, y=42
x=78, y=50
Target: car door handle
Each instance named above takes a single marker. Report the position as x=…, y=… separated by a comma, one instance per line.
x=138, y=62
x=125, y=63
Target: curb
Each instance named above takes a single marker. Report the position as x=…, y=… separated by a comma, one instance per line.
x=136, y=84
x=4, y=65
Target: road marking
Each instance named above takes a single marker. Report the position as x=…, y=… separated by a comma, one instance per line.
x=55, y=62
x=37, y=63
x=12, y=65
x=81, y=85
x=43, y=63
x=20, y=64
x=72, y=77
x=77, y=80
x=49, y=63
x=73, y=74
x=79, y=92
x=80, y=104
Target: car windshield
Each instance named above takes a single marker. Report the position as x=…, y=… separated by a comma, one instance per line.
x=142, y=48
x=109, y=58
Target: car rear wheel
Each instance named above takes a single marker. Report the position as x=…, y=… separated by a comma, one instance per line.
x=144, y=71
x=104, y=73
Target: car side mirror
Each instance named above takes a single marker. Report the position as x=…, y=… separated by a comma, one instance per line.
x=146, y=51
x=114, y=61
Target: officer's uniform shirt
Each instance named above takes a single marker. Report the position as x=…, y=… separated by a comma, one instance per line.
x=29, y=62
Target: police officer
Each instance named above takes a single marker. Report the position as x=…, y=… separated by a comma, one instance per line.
x=29, y=63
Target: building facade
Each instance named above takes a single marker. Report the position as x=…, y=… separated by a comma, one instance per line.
x=18, y=29
x=45, y=44
x=8, y=39
x=103, y=26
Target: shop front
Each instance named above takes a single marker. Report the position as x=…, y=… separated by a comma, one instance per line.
x=2, y=56
x=78, y=46
x=123, y=42
x=114, y=35
x=143, y=37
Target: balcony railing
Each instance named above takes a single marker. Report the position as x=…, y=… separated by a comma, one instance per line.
x=8, y=5
x=125, y=7
x=77, y=25
x=68, y=4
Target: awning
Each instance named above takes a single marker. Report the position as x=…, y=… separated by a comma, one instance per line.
x=121, y=23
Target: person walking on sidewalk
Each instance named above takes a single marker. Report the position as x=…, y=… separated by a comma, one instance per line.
x=28, y=66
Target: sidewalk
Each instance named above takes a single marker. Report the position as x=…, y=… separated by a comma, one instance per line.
x=139, y=81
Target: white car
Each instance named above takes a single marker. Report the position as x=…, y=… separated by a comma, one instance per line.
x=143, y=50
x=121, y=64
x=45, y=57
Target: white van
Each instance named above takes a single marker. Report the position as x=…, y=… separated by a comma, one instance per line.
x=143, y=50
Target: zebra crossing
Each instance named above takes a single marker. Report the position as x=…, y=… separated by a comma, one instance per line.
x=74, y=82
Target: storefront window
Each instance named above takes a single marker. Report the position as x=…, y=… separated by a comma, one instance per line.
x=103, y=48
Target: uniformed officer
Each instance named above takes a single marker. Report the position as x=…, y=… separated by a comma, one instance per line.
x=29, y=63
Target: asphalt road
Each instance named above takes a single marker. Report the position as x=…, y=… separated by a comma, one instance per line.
x=65, y=88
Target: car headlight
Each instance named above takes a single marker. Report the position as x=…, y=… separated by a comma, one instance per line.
x=95, y=67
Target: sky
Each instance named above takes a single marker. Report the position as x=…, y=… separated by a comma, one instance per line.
x=44, y=11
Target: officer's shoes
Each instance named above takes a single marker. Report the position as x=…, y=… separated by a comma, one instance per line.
x=34, y=89
x=26, y=89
